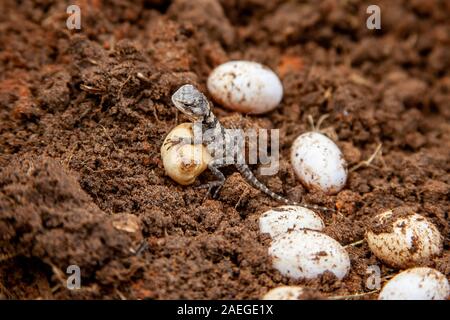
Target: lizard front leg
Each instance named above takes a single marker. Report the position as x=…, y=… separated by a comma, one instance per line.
x=181, y=141
x=195, y=139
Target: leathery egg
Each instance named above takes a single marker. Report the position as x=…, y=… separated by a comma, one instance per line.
x=284, y=293
x=318, y=162
x=282, y=219
x=245, y=86
x=416, y=284
x=183, y=162
x=404, y=241
x=307, y=254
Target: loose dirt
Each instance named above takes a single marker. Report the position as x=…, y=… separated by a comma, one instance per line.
x=83, y=115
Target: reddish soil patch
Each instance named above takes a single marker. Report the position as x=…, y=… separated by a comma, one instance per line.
x=83, y=115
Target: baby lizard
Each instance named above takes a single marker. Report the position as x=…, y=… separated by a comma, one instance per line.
x=214, y=137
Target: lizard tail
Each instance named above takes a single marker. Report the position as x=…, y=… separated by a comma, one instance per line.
x=254, y=182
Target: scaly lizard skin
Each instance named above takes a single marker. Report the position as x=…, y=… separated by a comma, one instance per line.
x=196, y=107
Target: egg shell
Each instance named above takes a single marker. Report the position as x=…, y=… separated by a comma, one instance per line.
x=284, y=293
x=411, y=240
x=183, y=162
x=282, y=219
x=319, y=163
x=245, y=86
x=416, y=284
x=307, y=254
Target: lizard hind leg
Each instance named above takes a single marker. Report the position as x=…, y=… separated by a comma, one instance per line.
x=214, y=166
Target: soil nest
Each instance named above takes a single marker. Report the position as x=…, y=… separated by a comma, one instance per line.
x=83, y=114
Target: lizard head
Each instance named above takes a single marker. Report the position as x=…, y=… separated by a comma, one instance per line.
x=191, y=102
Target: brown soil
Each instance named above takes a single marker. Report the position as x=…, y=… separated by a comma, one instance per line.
x=83, y=115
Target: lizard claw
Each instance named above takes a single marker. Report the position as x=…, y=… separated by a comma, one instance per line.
x=215, y=195
x=177, y=141
x=210, y=186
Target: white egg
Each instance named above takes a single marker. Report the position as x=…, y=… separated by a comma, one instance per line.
x=284, y=293
x=245, y=86
x=307, y=254
x=318, y=162
x=405, y=241
x=416, y=284
x=282, y=219
x=183, y=162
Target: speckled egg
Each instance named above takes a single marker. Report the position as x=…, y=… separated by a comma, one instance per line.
x=282, y=219
x=307, y=254
x=284, y=293
x=416, y=284
x=245, y=86
x=318, y=162
x=404, y=241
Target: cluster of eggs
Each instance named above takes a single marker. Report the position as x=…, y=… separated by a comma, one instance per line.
x=298, y=248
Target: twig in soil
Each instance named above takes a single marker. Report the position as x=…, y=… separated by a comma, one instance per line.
x=357, y=79
x=55, y=288
x=123, y=84
x=245, y=193
x=319, y=122
x=389, y=276
x=90, y=89
x=141, y=76
x=367, y=163
x=71, y=152
x=121, y=295
x=351, y=296
x=155, y=114
x=59, y=274
x=329, y=131
x=110, y=139
x=92, y=61
x=354, y=244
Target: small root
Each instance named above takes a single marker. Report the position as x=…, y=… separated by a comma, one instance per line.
x=354, y=244
x=91, y=89
x=351, y=296
x=120, y=294
x=244, y=194
x=119, y=94
x=59, y=274
x=141, y=76
x=155, y=114
x=321, y=119
x=368, y=162
x=316, y=127
x=311, y=122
